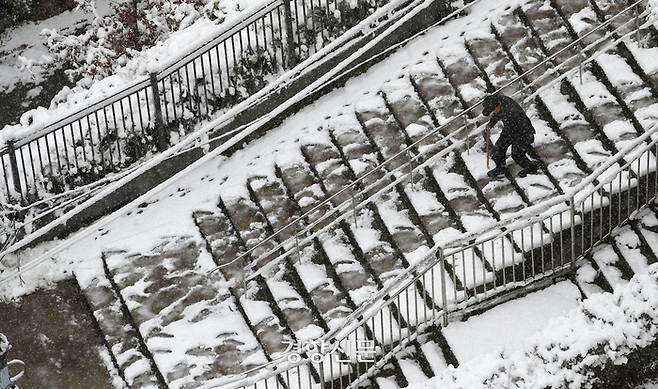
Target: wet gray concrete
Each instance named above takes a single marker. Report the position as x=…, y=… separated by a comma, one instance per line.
x=53, y=333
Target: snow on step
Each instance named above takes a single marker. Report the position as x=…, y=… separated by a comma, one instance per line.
x=435, y=89
x=379, y=260
x=609, y=116
x=298, y=316
x=636, y=95
x=462, y=71
x=582, y=20
x=273, y=201
x=586, y=277
x=381, y=127
x=545, y=21
x=629, y=245
x=328, y=165
x=223, y=243
x=355, y=146
x=386, y=383
x=491, y=57
x=329, y=301
x=583, y=137
x=434, y=356
x=187, y=318
x=647, y=225
x=354, y=143
x=610, y=8
x=291, y=172
x=254, y=299
x=518, y=39
x=410, y=368
x=121, y=337
x=607, y=261
x=506, y=327
x=383, y=130
x=411, y=114
x=645, y=53
x=382, y=259
x=555, y=153
x=250, y=224
x=473, y=215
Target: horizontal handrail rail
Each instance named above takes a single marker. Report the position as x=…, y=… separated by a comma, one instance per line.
x=231, y=28
x=140, y=84
x=388, y=292
x=384, y=164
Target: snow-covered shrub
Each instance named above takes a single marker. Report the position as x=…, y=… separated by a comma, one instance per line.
x=576, y=351
x=14, y=12
x=323, y=26
x=253, y=72
x=111, y=41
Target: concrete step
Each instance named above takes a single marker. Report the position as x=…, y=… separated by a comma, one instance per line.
x=186, y=318
x=129, y=354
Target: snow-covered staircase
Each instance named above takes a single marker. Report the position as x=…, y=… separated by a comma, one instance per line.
x=168, y=323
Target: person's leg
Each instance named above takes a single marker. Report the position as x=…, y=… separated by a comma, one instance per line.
x=499, y=155
x=519, y=154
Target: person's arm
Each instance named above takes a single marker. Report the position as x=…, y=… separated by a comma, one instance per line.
x=493, y=120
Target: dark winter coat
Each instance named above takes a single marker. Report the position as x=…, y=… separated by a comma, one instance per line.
x=517, y=126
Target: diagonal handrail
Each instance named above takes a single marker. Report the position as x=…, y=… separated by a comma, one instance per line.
x=398, y=284
x=345, y=204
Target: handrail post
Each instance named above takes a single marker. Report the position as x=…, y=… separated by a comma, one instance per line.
x=572, y=207
x=580, y=61
x=161, y=140
x=287, y=15
x=13, y=164
x=444, y=298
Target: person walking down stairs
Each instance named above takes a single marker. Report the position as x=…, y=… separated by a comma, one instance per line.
x=518, y=132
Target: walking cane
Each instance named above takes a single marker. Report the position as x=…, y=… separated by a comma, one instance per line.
x=486, y=142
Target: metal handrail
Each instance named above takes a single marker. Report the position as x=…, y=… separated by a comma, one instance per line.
x=143, y=81
x=229, y=29
x=398, y=283
x=154, y=89
x=381, y=166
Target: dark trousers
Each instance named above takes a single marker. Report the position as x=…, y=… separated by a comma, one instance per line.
x=520, y=147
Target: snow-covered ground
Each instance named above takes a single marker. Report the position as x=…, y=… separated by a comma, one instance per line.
x=24, y=57
x=513, y=322
x=604, y=328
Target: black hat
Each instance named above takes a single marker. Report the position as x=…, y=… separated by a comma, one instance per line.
x=489, y=103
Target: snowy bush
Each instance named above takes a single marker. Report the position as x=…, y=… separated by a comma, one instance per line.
x=111, y=41
x=330, y=25
x=14, y=12
x=581, y=350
